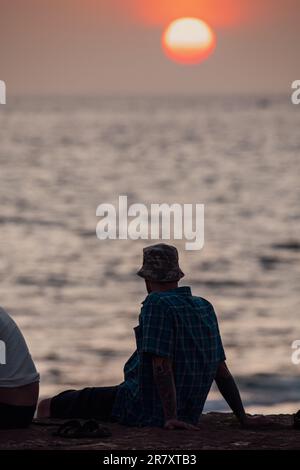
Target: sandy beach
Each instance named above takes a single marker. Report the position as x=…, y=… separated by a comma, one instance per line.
x=218, y=431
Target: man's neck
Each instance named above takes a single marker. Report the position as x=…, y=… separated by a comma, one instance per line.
x=163, y=286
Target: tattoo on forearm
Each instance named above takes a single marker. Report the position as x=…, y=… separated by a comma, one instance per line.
x=164, y=379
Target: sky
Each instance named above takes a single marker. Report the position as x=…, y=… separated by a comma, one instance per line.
x=114, y=47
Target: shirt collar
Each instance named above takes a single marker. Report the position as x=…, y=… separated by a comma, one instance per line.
x=184, y=290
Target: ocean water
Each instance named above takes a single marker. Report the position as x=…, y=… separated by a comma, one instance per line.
x=77, y=299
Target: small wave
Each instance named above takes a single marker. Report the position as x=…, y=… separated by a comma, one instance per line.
x=292, y=245
x=51, y=281
x=107, y=352
x=23, y=221
x=87, y=233
x=217, y=284
x=270, y=262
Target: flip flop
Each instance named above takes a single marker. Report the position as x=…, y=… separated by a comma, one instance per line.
x=88, y=429
x=93, y=429
x=69, y=429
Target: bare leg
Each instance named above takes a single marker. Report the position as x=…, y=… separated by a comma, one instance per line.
x=43, y=410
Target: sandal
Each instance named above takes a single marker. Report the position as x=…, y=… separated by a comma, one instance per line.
x=75, y=430
x=93, y=429
x=69, y=429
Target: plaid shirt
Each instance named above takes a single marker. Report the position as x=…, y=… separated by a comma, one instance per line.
x=184, y=328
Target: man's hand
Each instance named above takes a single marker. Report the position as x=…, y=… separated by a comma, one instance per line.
x=176, y=424
x=257, y=421
x=230, y=392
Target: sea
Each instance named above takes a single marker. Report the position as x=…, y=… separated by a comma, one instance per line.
x=77, y=298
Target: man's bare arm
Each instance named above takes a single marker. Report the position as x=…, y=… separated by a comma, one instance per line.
x=230, y=391
x=164, y=380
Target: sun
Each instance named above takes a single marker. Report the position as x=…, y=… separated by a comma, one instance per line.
x=188, y=41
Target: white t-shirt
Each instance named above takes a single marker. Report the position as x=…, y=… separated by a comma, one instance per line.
x=16, y=365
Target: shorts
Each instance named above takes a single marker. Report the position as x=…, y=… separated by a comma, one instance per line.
x=91, y=402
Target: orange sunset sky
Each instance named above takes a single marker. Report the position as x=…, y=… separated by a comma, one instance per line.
x=114, y=46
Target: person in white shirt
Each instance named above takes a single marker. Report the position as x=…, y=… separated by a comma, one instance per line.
x=19, y=379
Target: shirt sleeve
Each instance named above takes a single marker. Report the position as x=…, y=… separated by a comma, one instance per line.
x=156, y=330
x=221, y=356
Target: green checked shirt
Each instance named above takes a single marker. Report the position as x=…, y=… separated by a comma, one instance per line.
x=184, y=328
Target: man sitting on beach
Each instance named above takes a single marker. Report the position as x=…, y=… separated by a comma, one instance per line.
x=19, y=380
x=179, y=354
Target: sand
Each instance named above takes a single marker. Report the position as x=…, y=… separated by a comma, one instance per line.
x=218, y=431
